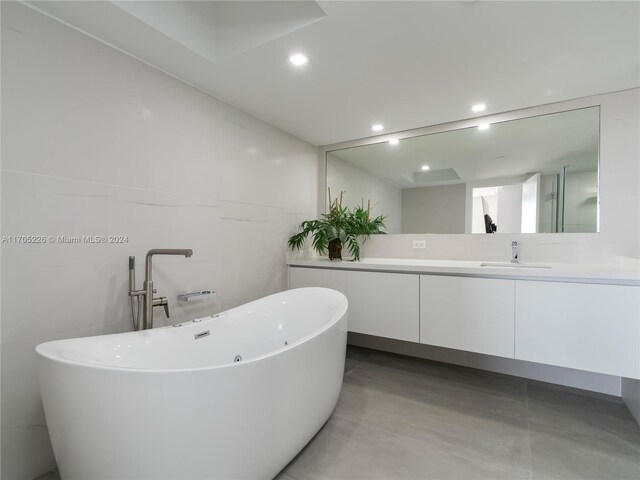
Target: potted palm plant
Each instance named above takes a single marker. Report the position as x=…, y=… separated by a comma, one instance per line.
x=339, y=227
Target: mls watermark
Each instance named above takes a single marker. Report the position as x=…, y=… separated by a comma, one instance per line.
x=64, y=239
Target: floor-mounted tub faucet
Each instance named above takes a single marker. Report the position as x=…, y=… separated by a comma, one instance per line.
x=514, y=252
x=142, y=301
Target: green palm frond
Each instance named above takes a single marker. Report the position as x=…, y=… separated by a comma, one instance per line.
x=353, y=246
x=320, y=240
x=347, y=225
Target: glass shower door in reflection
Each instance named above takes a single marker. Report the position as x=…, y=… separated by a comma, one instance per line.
x=569, y=201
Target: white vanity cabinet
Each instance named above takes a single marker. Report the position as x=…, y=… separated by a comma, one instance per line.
x=585, y=326
x=384, y=304
x=380, y=304
x=472, y=314
x=318, y=277
x=582, y=326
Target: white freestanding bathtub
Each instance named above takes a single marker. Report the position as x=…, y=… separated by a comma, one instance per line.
x=179, y=403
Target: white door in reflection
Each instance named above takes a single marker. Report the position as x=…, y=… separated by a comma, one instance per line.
x=530, y=211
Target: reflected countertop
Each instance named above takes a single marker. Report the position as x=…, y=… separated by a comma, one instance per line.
x=558, y=272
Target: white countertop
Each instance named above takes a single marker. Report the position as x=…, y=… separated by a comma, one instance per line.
x=583, y=273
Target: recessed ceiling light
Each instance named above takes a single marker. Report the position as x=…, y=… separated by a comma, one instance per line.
x=425, y=167
x=298, y=59
x=394, y=141
x=480, y=107
x=377, y=127
x=483, y=126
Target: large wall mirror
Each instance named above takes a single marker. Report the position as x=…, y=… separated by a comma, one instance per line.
x=530, y=175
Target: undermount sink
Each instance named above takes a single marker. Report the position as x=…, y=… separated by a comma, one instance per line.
x=511, y=265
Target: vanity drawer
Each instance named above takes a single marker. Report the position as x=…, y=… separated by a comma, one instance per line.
x=318, y=277
x=384, y=304
x=472, y=314
x=582, y=326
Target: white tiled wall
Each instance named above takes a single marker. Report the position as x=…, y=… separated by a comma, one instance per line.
x=619, y=237
x=96, y=143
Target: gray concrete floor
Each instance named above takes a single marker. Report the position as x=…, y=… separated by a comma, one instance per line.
x=405, y=418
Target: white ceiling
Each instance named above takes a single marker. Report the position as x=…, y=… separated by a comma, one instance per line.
x=515, y=148
x=221, y=30
x=402, y=64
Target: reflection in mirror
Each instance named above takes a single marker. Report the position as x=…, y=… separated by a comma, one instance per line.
x=531, y=175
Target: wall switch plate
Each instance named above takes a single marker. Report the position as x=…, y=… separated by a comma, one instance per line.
x=419, y=244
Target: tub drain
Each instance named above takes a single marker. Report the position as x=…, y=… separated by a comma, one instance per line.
x=238, y=358
x=286, y=343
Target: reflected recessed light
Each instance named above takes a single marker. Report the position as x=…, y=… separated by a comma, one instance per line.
x=394, y=141
x=298, y=59
x=479, y=107
x=377, y=127
x=483, y=126
x=425, y=167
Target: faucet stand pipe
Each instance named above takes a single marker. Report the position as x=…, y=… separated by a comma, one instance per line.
x=134, y=300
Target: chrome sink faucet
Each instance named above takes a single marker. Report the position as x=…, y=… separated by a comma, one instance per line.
x=143, y=299
x=514, y=252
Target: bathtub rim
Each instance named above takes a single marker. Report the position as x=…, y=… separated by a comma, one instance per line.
x=55, y=358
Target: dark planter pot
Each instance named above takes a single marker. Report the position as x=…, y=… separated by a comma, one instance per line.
x=335, y=249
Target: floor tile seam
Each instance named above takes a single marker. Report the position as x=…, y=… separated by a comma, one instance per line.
x=412, y=394
x=353, y=368
x=582, y=435
x=526, y=403
x=473, y=371
x=374, y=382
x=375, y=426
x=581, y=393
x=392, y=388
x=454, y=383
x=347, y=418
x=559, y=408
x=449, y=445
